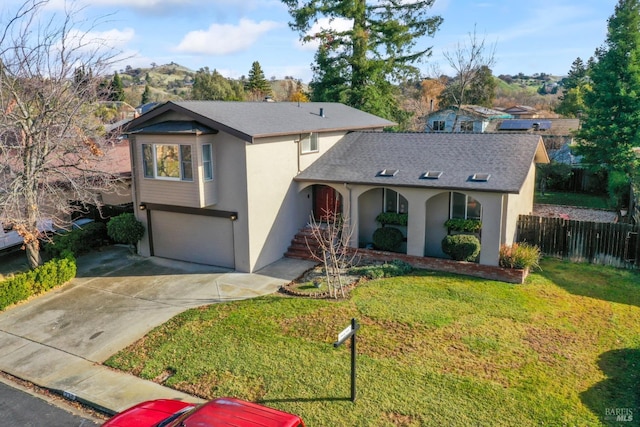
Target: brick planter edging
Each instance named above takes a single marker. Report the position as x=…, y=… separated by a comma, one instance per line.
x=509, y=275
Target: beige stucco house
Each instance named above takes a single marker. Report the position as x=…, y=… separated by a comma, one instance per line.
x=213, y=181
x=231, y=183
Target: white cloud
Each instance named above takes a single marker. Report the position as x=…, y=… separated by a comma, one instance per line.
x=91, y=41
x=339, y=24
x=222, y=39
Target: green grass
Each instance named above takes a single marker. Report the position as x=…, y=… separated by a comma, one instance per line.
x=433, y=349
x=582, y=200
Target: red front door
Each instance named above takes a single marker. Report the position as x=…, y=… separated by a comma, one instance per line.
x=326, y=203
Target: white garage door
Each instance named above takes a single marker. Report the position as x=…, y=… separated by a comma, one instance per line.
x=193, y=238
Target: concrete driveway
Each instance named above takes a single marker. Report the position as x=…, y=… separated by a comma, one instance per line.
x=116, y=299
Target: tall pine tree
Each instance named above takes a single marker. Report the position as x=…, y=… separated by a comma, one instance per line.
x=574, y=88
x=357, y=64
x=611, y=126
x=116, y=92
x=257, y=85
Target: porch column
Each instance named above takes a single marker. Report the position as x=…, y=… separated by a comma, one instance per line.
x=492, y=211
x=416, y=225
x=351, y=209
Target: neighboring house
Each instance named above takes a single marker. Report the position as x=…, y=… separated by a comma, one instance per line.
x=522, y=112
x=213, y=181
x=469, y=118
x=557, y=135
x=432, y=177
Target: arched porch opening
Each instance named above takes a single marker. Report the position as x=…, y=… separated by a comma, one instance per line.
x=381, y=207
x=442, y=207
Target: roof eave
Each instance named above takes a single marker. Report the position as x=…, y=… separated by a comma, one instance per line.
x=404, y=185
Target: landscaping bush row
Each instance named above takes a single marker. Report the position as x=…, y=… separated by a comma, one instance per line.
x=388, y=269
x=78, y=241
x=47, y=276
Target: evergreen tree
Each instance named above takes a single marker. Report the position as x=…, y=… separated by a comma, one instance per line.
x=116, y=90
x=574, y=88
x=357, y=64
x=257, y=85
x=611, y=127
x=146, y=95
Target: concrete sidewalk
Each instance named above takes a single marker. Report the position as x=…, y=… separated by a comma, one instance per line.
x=60, y=339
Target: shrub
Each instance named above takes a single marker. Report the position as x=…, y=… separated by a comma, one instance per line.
x=125, y=228
x=461, y=247
x=49, y=275
x=390, y=269
x=618, y=189
x=78, y=241
x=523, y=256
x=464, y=225
x=388, y=239
x=392, y=218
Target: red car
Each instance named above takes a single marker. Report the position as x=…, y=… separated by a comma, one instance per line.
x=224, y=411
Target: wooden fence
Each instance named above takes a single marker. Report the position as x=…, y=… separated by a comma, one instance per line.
x=603, y=243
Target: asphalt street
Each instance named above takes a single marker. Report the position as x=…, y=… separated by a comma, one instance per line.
x=24, y=409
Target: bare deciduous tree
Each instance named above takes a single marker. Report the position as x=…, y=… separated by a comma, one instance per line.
x=333, y=236
x=51, y=143
x=468, y=62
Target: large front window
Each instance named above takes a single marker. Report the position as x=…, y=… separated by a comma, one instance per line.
x=465, y=207
x=394, y=202
x=167, y=161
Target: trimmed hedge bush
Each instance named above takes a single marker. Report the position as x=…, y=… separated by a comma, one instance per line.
x=392, y=218
x=388, y=239
x=464, y=225
x=49, y=275
x=461, y=247
x=78, y=241
x=125, y=228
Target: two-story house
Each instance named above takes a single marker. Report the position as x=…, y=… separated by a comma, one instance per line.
x=213, y=181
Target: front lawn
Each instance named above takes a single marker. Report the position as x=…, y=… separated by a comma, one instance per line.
x=581, y=200
x=433, y=349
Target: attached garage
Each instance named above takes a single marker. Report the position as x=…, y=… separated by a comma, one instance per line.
x=201, y=236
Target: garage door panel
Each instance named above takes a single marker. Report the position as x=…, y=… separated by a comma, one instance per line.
x=193, y=238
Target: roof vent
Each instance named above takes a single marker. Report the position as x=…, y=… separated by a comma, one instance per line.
x=431, y=175
x=481, y=177
x=322, y=112
x=388, y=172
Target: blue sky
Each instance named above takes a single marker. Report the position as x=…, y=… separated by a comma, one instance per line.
x=228, y=35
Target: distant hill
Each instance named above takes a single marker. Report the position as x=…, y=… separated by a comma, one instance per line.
x=173, y=82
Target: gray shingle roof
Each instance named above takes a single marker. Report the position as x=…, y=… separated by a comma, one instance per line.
x=250, y=120
x=360, y=156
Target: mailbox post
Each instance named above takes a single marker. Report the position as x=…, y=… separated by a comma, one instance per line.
x=345, y=334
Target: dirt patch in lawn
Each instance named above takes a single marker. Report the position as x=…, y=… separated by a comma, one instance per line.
x=313, y=284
